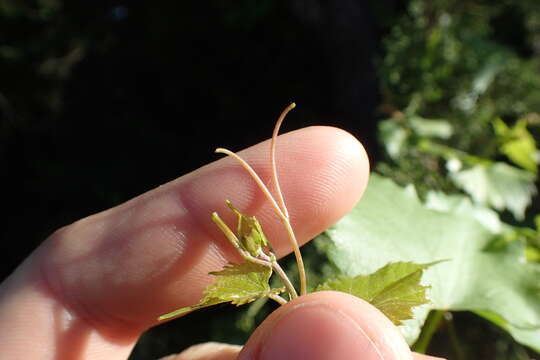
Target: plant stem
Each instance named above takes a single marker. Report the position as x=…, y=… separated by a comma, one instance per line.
x=229, y=234
x=235, y=242
x=281, y=202
x=279, y=212
x=298, y=256
x=277, y=188
x=278, y=299
x=279, y=272
x=428, y=330
x=458, y=349
x=255, y=177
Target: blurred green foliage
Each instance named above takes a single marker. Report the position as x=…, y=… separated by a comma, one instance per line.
x=461, y=96
x=469, y=63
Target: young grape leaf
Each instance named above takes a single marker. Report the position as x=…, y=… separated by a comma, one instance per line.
x=391, y=224
x=249, y=232
x=394, y=289
x=238, y=284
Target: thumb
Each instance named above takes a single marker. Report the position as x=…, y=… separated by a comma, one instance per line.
x=319, y=326
x=326, y=325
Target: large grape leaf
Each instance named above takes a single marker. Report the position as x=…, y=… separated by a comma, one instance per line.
x=394, y=289
x=390, y=224
x=238, y=284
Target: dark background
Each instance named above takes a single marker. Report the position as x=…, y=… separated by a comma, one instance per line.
x=105, y=101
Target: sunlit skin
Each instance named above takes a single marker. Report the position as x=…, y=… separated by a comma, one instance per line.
x=94, y=286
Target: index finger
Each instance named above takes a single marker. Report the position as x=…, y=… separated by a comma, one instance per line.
x=119, y=269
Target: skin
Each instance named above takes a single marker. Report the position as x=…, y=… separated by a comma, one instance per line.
x=94, y=286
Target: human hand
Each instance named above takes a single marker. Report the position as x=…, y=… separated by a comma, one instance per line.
x=94, y=286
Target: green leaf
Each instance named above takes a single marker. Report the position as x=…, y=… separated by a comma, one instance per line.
x=390, y=224
x=249, y=232
x=238, y=284
x=487, y=73
x=430, y=128
x=394, y=289
x=393, y=136
x=459, y=204
x=518, y=144
x=498, y=185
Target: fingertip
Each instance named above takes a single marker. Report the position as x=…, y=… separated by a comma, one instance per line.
x=325, y=180
x=326, y=325
x=207, y=351
x=342, y=177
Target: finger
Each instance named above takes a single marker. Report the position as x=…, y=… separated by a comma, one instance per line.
x=110, y=275
x=218, y=351
x=323, y=326
x=208, y=351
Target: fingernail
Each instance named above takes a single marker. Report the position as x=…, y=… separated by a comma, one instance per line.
x=316, y=331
